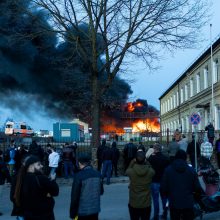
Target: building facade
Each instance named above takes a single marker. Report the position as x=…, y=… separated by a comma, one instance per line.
x=197, y=90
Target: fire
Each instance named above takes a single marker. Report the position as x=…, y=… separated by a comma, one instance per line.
x=132, y=105
x=151, y=125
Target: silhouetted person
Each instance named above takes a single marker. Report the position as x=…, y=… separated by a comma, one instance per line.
x=210, y=132
x=99, y=154
x=129, y=153
x=115, y=158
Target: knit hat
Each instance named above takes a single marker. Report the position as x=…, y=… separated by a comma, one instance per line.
x=84, y=159
x=30, y=160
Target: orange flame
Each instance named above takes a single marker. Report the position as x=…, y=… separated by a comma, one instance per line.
x=151, y=125
x=131, y=106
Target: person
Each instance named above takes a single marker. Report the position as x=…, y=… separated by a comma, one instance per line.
x=206, y=148
x=99, y=154
x=140, y=174
x=183, y=143
x=210, y=132
x=177, y=135
x=36, y=150
x=10, y=156
x=68, y=158
x=86, y=191
x=179, y=183
x=4, y=175
x=173, y=147
x=191, y=151
x=129, y=153
x=158, y=162
x=217, y=148
x=107, y=157
x=32, y=192
x=115, y=158
x=20, y=155
x=141, y=146
x=53, y=158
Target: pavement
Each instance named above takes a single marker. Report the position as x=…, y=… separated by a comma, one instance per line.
x=113, y=202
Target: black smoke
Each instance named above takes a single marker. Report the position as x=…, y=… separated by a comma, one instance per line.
x=38, y=71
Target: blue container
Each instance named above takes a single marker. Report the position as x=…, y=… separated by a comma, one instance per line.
x=67, y=132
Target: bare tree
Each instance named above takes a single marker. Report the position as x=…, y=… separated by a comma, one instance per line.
x=126, y=28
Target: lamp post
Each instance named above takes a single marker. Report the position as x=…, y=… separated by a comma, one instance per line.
x=212, y=76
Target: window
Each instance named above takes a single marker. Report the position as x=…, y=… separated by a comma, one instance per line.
x=174, y=100
x=181, y=95
x=205, y=77
x=215, y=71
x=171, y=102
x=198, y=82
x=191, y=87
x=168, y=105
x=177, y=98
x=187, y=123
x=186, y=92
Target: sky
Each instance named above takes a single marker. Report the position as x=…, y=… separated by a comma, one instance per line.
x=152, y=86
x=145, y=86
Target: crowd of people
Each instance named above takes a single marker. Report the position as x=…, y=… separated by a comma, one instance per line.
x=152, y=174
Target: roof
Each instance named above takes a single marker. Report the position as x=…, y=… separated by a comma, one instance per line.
x=191, y=67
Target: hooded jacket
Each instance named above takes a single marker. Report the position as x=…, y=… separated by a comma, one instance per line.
x=140, y=176
x=179, y=183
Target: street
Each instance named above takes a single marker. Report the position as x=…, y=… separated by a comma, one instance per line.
x=113, y=204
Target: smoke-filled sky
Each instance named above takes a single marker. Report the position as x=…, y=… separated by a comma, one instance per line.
x=151, y=86
x=146, y=86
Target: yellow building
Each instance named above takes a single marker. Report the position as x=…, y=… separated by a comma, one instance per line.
x=197, y=90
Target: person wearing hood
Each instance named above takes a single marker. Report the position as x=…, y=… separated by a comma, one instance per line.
x=179, y=183
x=140, y=174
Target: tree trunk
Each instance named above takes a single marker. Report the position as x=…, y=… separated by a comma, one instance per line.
x=95, y=112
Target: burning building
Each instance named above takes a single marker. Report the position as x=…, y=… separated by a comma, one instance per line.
x=135, y=117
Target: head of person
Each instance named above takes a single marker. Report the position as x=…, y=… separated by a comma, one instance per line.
x=140, y=157
x=103, y=142
x=114, y=144
x=157, y=148
x=131, y=140
x=84, y=160
x=181, y=154
x=12, y=143
x=32, y=164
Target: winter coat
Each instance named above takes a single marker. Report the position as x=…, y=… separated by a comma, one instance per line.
x=191, y=149
x=37, y=196
x=115, y=154
x=86, y=190
x=158, y=162
x=211, y=131
x=173, y=148
x=107, y=154
x=183, y=144
x=179, y=183
x=130, y=151
x=217, y=146
x=140, y=176
x=54, y=158
x=4, y=173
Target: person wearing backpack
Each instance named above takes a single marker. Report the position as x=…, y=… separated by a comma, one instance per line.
x=217, y=148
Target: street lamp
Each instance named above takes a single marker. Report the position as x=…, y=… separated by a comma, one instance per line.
x=212, y=99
